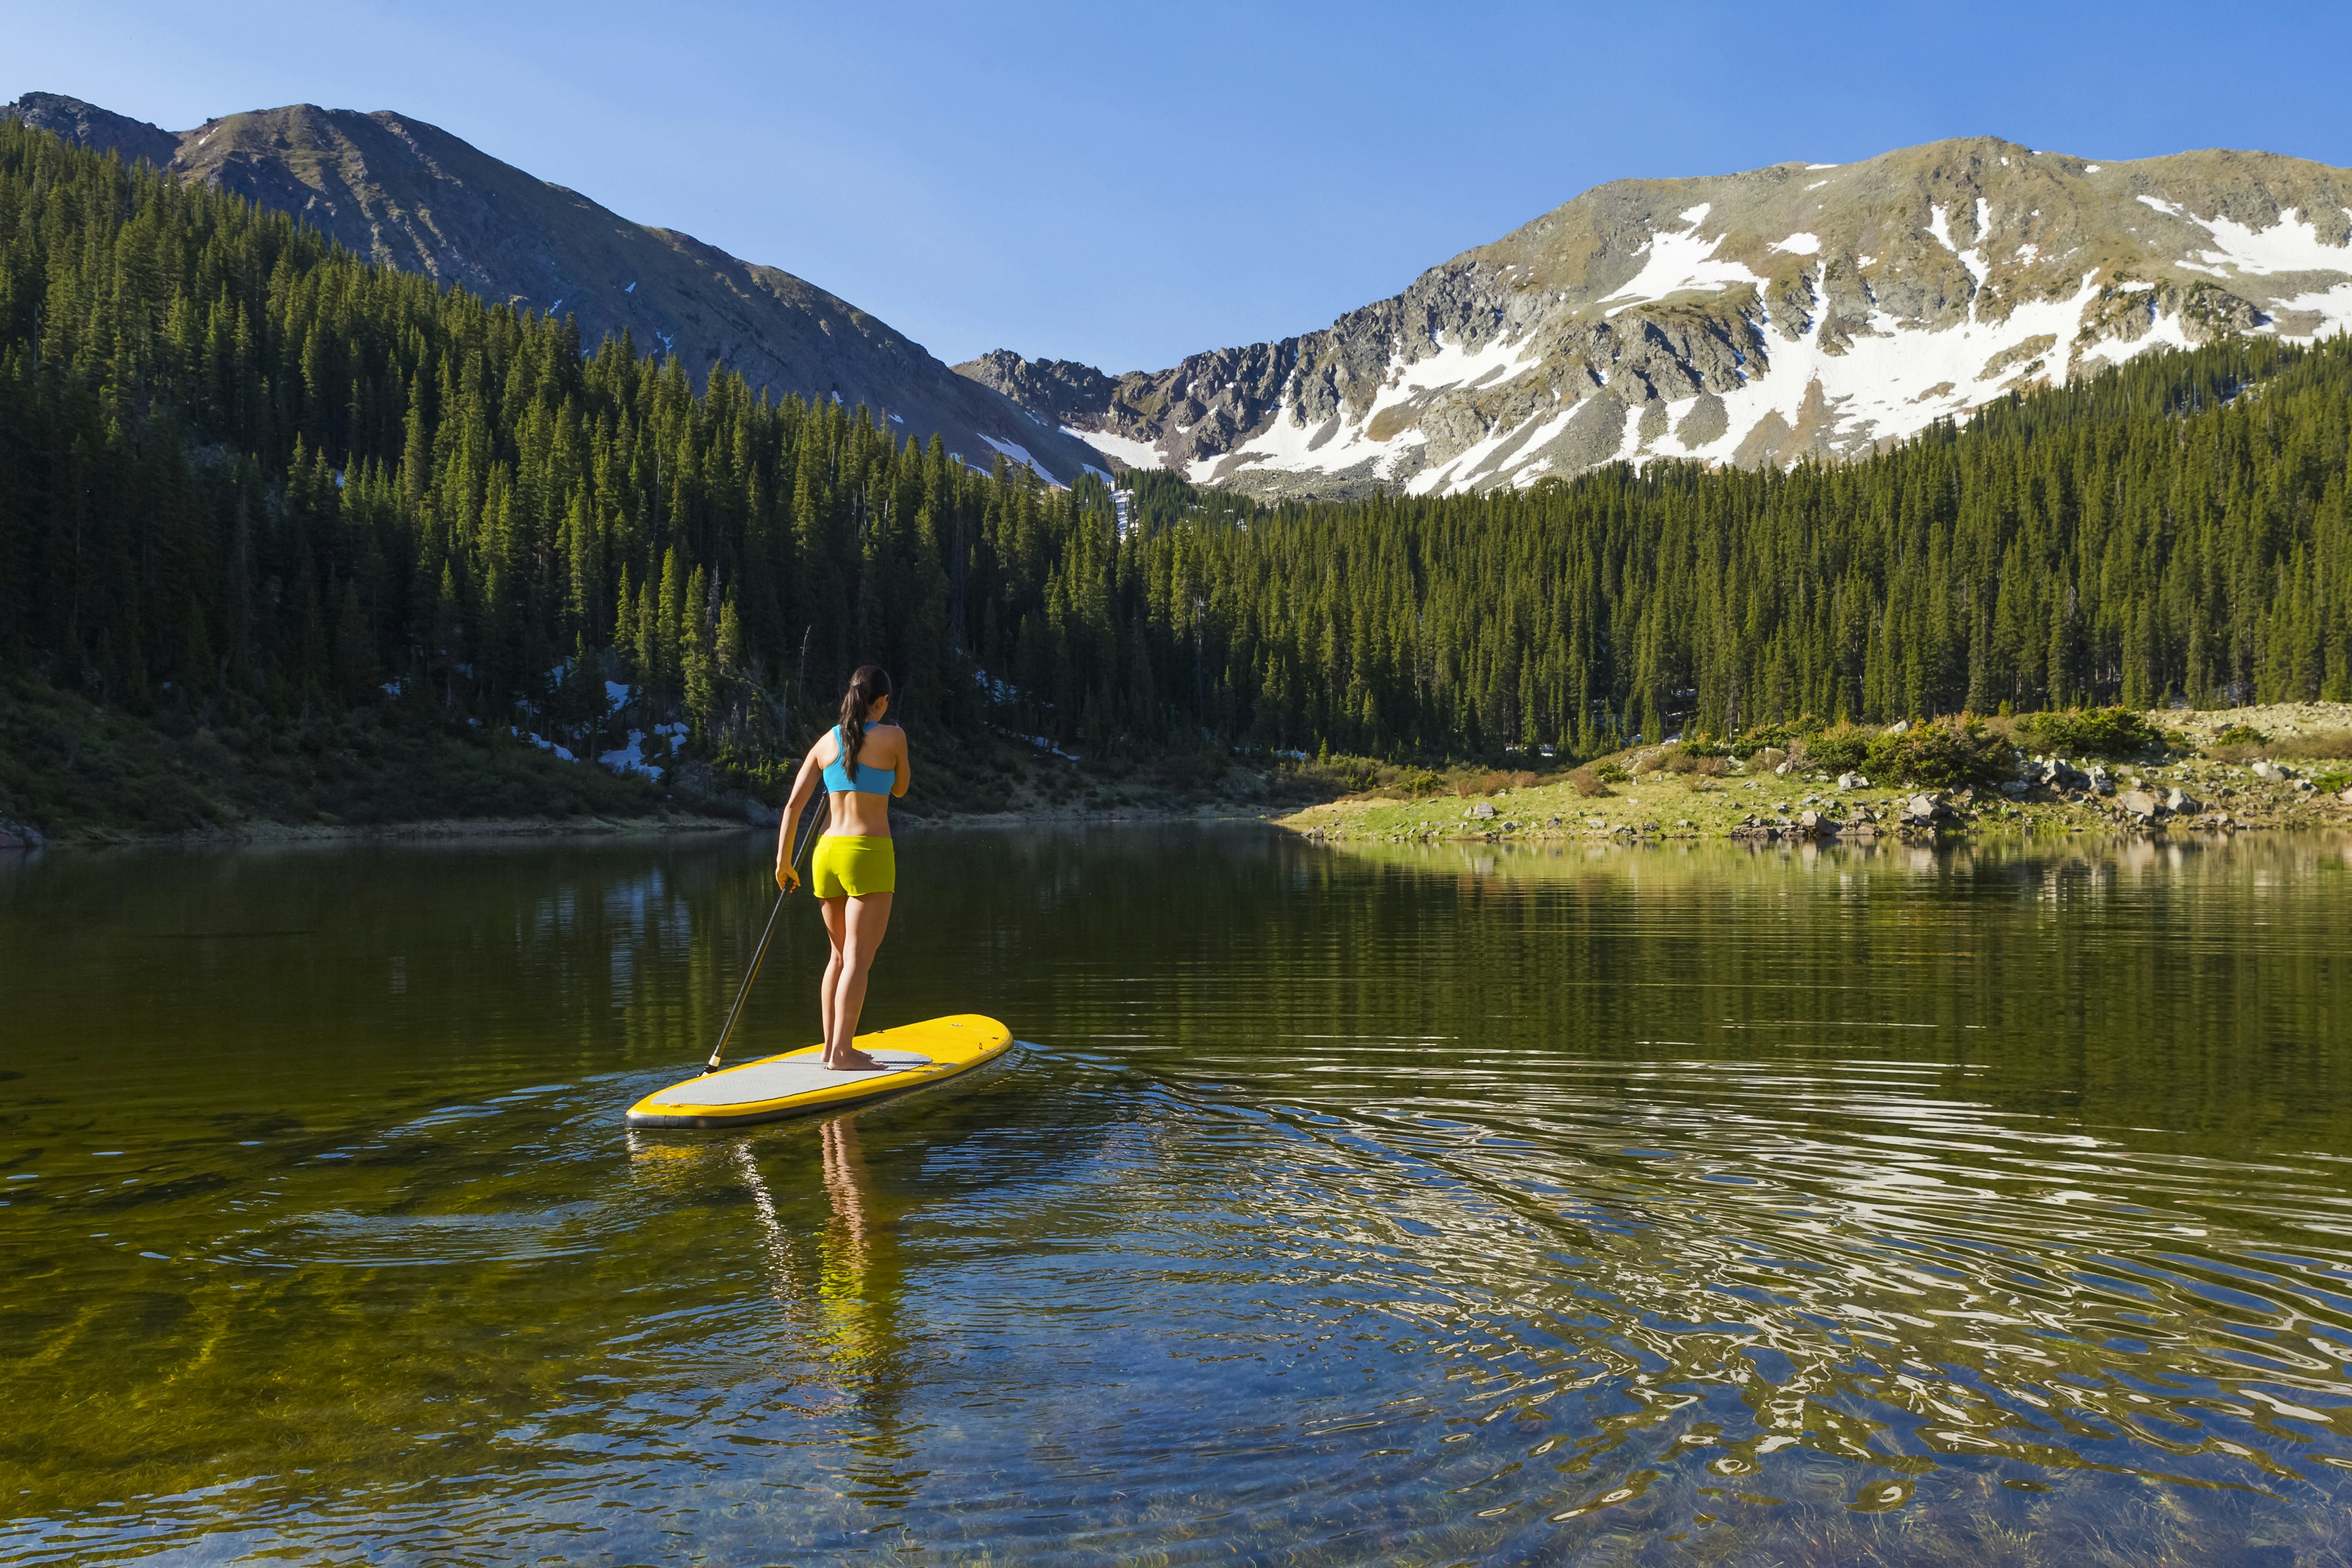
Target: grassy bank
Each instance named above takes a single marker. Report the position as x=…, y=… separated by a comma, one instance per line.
x=2280, y=766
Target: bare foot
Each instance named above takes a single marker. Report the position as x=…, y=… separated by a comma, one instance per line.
x=852, y=1062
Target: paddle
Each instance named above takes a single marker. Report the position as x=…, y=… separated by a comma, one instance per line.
x=762, y=951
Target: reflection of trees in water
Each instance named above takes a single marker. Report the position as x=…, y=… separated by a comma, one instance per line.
x=2188, y=985
x=580, y=957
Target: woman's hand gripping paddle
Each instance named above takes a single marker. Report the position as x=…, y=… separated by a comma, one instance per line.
x=762, y=951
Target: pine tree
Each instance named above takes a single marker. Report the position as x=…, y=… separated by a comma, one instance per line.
x=696, y=663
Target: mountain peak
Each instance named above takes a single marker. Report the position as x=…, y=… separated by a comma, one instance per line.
x=99, y=130
x=406, y=194
x=1760, y=317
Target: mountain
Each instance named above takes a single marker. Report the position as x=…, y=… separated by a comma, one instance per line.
x=1800, y=309
x=408, y=195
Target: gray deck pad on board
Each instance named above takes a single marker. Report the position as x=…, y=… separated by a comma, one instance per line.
x=756, y=1081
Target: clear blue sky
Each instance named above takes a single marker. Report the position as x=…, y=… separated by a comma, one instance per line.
x=1125, y=184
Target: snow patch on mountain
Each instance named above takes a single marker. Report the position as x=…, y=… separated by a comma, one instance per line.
x=1127, y=449
x=1019, y=454
x=1885, y=385
x=1339, y=442
x=1504, y=448
x=1452, y=365
x=1680, y=262
x=2334, y=307
x=2291, y=245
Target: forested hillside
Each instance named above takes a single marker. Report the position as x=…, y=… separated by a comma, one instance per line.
x=243, y=473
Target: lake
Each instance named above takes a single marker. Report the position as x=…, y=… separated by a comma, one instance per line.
x=1435, y=1205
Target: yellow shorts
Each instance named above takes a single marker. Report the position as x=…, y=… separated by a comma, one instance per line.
x=850, y=866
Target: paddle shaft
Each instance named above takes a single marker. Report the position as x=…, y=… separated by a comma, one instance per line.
x=758, y=953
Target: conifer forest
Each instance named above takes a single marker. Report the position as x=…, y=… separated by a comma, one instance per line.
x=242, y=471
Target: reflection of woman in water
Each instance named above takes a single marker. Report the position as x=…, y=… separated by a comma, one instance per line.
x=835, y=1275
x=858, y=1289
x=846, y=1246
x=864, y=764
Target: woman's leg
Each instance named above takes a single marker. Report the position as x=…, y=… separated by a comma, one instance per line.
x=836, y=925
x=866, y=920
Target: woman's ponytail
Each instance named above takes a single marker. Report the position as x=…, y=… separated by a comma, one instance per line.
x=867, y=686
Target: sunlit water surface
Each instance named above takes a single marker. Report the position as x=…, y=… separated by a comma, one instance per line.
x=1651, y=1206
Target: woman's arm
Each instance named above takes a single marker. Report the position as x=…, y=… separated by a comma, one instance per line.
x=905, y=767
x=788, y=876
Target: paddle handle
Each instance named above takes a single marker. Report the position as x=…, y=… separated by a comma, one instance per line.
x=745, y=991
x=751, y=973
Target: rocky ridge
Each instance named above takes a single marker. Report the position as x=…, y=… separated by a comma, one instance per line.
x=408, y=195
x=1795, y=310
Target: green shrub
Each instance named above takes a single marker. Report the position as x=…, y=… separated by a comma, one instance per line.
x=2090, y=732
x=2240, y=735
x=1944, y=755
x=1840, y=749
x=1763, y=738
x=1609, y=774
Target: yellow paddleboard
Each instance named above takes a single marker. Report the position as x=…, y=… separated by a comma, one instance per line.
x=798, y=1082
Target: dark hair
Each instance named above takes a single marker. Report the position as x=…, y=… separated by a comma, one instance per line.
x=867, y=686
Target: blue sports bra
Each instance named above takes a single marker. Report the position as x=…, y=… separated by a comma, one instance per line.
x=870, y=780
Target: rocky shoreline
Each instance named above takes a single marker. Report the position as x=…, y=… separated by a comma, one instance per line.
x=2201, y=784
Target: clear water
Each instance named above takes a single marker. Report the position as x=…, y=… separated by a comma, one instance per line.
x=1657, y=1206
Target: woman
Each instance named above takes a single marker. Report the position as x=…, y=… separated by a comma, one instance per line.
x=862, y=762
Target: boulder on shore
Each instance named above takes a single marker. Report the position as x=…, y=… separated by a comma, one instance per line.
x=2058, y=773
x=1924, y=807
x=2139, y=803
